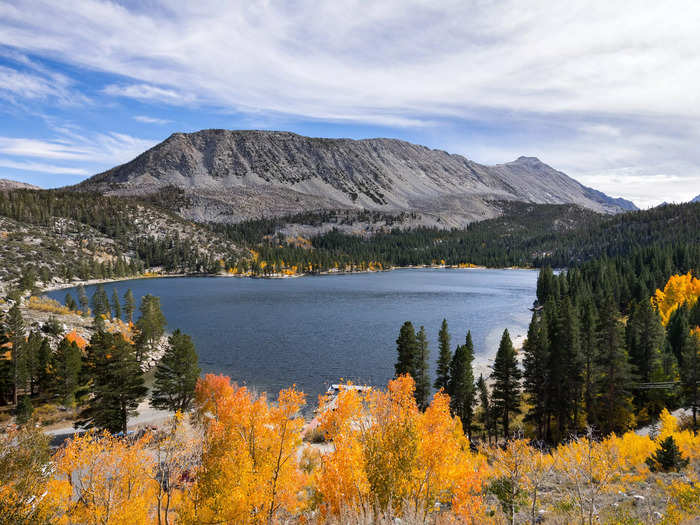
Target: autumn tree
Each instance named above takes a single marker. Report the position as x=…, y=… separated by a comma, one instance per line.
x=176, y=375
x=250, y=447
x=506, y=383
x=105, y=479
x=442, y=374
x=116, y=383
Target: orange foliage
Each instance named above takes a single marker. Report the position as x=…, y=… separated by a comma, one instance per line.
x=388, y=454
x=105, y=479
x=249, y=471
x=74, y=337
x=679, y=290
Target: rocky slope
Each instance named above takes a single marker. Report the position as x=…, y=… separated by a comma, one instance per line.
x=7, y=184
x=229, y=176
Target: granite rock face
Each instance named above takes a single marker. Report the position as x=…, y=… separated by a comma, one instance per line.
x=229, y=176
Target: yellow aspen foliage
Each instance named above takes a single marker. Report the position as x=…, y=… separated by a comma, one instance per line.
x=683, y=498
x=632, y=450
x=679, y=290
x=590, y=468
x=688, y=442
x=389, y=455
x=105, y=480
x=249, y=470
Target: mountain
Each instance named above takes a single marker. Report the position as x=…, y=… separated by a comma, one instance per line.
x=696, y=199
x=229, y=176
x=7, y=184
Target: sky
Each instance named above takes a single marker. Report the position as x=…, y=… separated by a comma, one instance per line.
x=608, y=92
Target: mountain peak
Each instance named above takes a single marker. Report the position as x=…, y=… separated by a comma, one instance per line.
x=7, y=184
x=229, y=176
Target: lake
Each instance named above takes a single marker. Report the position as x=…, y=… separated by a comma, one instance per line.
x=312, y=331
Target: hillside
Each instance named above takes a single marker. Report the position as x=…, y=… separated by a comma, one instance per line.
x=63, y=235
x=229, y=176
x=7, y=184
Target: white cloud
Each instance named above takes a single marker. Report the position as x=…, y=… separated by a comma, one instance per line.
x=616, y=83
x=151, y=120
x=42, y=168
x=148, y=92
x=71, y=152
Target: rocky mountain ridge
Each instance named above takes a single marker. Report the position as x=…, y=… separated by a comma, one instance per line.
x=229, y=176
x=7, y=184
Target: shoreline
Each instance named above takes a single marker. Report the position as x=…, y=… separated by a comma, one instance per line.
x=89, y=282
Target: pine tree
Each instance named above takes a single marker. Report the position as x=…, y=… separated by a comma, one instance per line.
x=67, y=362
x=461, y=386
x=613, y=404
x=677, y=331
x=690, y=374
x=667, y=458
x=100, y=306
x=442, y=373
x=6, y=368
x=116, y=383
x=70, y=302
x=176, y=375
x=24, y=410
x=589, y=355
x=422, y=370
x=151, y=326
x=407, y=349
x=16, y=329
x=535, y=373
x=116, y=306
x=83, y=300
x=506, y=383
x=486, y=416
x=129, y=305
x=645, y=342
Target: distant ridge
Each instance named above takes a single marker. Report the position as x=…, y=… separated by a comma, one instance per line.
x=7, y=184
x=229, y=176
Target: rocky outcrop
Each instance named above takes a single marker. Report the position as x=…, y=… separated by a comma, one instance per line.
x=7, y=184
x=228, y=176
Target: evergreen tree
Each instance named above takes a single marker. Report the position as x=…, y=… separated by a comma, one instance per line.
x=422, y=370
x=70, y=303
x=690, y=374
x=129, y=305
x=66, y=366
x=16, y=329
x=613, y=409
x=44, y=356
x=176, y=375
x=116, y=306
x=589, y=355
x=407, y=350
x=100, y=306
x=546, y=285
x=150, y=326
x=677, y=331
x=506, y=383
x=645, y=342
x=442, y=373
x=83, y=300
x=24, y=410
x=6, y=368
x=667, y=458
x=461, y=386
x=567, y=408
x=116, y=383
x=535, y=373
x=486, y=416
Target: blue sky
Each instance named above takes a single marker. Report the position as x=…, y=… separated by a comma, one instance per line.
x=608, y=92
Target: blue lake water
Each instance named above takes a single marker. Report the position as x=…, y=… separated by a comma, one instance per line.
x=311, y=331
